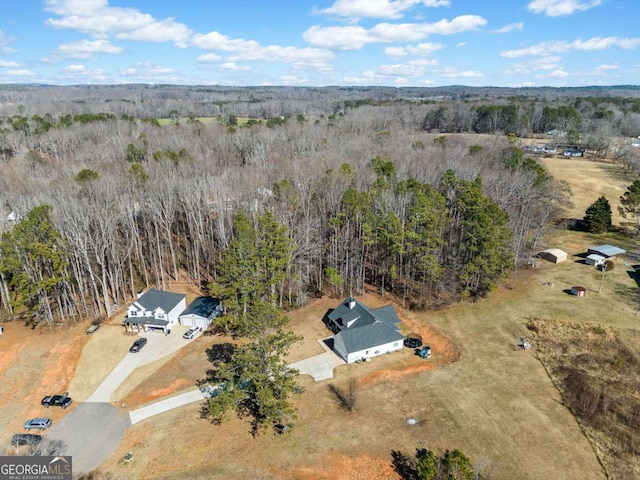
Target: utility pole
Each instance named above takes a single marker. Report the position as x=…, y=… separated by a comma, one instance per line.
x=604, y=269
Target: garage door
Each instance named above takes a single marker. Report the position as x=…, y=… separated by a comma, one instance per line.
x=186, y=320
x=201, y=322
x=194, y=321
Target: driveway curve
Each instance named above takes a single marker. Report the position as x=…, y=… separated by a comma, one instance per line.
x=90, y=433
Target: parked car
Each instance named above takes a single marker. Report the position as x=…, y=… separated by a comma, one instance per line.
x=20, y=439
x=92, y=328
x=413, y=341
x=424, y=352
x=189, y=334
x=41, y=423
x=63, y=400
x=138, y=344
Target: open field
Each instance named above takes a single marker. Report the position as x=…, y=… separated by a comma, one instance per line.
x=479, y=392
x=589, y=180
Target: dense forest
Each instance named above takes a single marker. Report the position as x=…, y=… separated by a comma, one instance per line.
x=428, y=193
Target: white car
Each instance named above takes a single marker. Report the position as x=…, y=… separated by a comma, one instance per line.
x=189, y=334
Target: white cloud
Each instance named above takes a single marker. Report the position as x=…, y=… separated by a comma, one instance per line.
x=249, y=50
x=422, y=49
x=87, y=49
x=98, y=19
x=452, y=72
x=391, y=9
x=558, y=73
x=556, y=8
x=353, y=37
x=84, y=72
x=146, y=70
x=509, y=28
x=527, y=68
x=19, y=73
x=423, y=62
x=209, y=57
x=6, y=64
x=293, y=80
x=595, y=43
x=234, y=67
x=605, y=67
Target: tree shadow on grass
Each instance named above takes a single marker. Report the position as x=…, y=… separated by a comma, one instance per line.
x=403, y=466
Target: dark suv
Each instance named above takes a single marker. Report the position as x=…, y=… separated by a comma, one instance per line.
x=63, y=400
x=138, y=344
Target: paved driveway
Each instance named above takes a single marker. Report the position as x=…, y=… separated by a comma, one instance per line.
x=90, y=433
x=158, y=346
x=320, y=367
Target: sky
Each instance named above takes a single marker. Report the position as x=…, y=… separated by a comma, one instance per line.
x=509, y=43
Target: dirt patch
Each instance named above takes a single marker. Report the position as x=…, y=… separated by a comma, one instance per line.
x=33, y=364
x=342, y=467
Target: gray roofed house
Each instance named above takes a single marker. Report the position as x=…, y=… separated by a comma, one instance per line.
x=155, y=309
x=362, y=332
x=201, y=312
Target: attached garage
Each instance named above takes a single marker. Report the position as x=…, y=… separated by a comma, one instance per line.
x=554, y=255
x=201, y=312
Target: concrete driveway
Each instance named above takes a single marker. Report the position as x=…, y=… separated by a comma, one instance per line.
x=158, y=346
x=320, y=367
x=90, y=433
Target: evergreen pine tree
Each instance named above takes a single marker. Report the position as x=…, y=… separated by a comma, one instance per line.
x=597, y=218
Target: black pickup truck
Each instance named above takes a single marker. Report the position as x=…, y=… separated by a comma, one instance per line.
x=63, y=400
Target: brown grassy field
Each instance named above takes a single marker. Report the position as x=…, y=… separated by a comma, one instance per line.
x=479, y=392
x=589, y=180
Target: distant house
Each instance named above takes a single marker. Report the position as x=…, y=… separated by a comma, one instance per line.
x=573, y=152
x=155, y=310
x=201, y=312
x=606, y=251
x=362, y=332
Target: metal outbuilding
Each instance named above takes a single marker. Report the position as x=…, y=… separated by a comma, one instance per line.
x=579, y=291
x=595, y=259
x=554, y=255
x=606, y=251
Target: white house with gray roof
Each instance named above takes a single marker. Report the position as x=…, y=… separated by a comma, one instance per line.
x=362, y=332
x=156, y=310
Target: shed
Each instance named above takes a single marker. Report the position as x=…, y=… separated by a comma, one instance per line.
x=554, y=255
x=579, y=291
x=606, y=251
x=595, y=259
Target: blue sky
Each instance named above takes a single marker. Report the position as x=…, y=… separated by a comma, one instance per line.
x=510, y=43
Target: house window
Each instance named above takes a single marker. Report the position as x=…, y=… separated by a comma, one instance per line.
x=377, y=352
x=395, y=344
x=133, y=313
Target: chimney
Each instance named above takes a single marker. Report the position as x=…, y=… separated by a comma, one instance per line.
x=139, y=294
x=352, y=303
